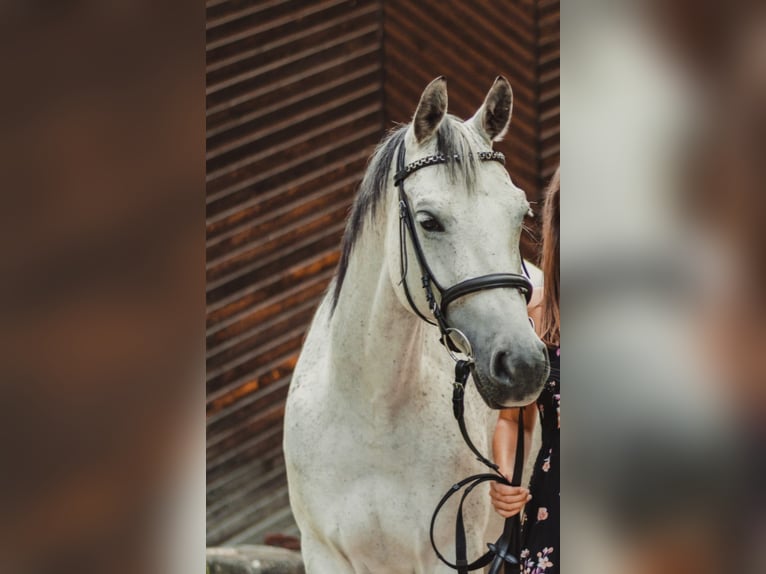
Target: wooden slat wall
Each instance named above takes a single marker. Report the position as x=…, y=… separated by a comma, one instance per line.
x=293, y=112
x=471, y=43
x=548, y=72
x=296, y=101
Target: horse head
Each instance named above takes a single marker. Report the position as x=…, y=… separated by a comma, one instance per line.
x=466, y=216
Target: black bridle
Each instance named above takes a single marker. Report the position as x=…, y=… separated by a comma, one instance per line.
x=505, y=551
x=428, y=280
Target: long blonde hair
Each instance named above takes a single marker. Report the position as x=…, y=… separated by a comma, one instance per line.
x=550, y=328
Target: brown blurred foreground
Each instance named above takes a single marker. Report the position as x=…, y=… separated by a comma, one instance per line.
x=101, y=328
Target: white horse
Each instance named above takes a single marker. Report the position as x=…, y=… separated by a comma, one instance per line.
x=370, y=441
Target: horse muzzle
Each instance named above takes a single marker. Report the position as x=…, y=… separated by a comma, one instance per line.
x=511, y=375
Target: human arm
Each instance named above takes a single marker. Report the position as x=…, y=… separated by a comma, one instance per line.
x=509, y=500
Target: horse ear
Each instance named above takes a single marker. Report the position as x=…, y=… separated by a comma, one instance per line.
x=431, y=109
x=494, y=116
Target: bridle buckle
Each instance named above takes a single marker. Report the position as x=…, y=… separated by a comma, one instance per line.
x=402, y=209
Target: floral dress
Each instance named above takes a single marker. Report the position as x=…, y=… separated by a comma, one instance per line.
x=540, y=525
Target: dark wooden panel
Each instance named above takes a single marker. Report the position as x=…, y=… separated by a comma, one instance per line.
x=234, y=308
x=294, y=109
x=549, y=74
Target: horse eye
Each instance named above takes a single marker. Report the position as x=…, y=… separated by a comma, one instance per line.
x=431, y=224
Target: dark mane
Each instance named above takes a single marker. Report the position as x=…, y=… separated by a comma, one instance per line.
x=451, y=139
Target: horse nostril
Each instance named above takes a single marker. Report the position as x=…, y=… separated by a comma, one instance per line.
x=500, y=367
x=508, y=367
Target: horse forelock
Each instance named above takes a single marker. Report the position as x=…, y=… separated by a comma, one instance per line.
x=452, y=138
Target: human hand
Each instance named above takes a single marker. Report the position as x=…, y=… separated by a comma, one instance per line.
x=508, y=500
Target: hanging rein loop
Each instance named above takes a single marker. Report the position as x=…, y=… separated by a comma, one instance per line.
x=505, y=551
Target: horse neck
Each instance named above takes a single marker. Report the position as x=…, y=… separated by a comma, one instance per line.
x=377, y=346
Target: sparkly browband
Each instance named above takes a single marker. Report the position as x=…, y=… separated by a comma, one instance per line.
x=441, y=158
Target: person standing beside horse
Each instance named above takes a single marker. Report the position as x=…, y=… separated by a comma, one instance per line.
x=540, y=543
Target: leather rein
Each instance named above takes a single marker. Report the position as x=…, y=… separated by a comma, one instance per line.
x=505, y=551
